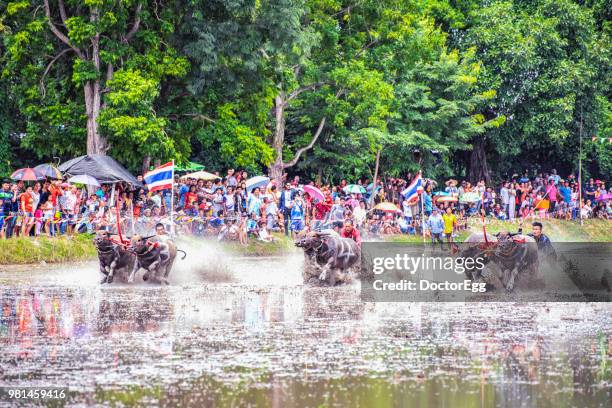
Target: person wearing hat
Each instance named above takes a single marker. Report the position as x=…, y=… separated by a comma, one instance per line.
x=451, y=187
x=435, y=223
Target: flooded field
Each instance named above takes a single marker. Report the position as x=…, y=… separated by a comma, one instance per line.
x=249, y=334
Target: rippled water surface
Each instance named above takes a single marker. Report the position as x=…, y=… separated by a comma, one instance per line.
x=247, y=333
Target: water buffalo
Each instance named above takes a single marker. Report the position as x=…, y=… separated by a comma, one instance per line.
x=329, y=253
x=113, y=257
x=154, y=255
x=513, y=254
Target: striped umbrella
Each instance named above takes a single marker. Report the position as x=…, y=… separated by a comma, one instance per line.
x=48, y=170
x=354, y=189
x=27, y=174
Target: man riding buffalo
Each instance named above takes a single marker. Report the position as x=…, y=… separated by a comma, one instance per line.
x=154, y=255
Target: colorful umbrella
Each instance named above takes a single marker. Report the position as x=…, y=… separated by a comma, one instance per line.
x=314, y=192
x=257, y=181
x=446, y=199
x=386, y=207
x=49, y=170
x=469, y=198
x=27, y=174
x=354, y=189
x=84, y=179
x=200, y=175
x=441, y=193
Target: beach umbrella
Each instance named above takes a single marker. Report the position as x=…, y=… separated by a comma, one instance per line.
x=354, y=189
x=446, y=199
x=469, y=198
x=27, y=174
x=386, y=207
x=84, y=179
x=257, y=181
x=200, y=175
x=314, y=192
x=49, y=170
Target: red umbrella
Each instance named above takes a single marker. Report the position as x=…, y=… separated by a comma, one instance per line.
x=314, y=192
x=27, y=174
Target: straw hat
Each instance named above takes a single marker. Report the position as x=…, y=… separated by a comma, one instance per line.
x=451, y=182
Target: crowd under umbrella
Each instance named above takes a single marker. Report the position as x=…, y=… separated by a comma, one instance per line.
x=48, y=170
x=84, y=179
x=257, y=182
x=27, y=174
x=354, y=189
x=314, y=192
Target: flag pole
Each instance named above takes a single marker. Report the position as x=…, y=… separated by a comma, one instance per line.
x=423, y=214
x=172, y=229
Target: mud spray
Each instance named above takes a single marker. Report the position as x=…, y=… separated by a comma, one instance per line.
x=210, y=261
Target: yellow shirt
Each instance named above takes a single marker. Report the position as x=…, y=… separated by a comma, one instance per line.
x=449, y=221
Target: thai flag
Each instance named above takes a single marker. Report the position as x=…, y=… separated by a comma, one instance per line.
x=160, y=178
x=414, y=189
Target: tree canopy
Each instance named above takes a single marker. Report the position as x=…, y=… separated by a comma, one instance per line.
x=478, y=89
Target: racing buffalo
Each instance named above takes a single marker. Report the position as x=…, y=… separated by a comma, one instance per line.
x=516, y=256
x=329, y=256
x=154, y=255
x=113, y=257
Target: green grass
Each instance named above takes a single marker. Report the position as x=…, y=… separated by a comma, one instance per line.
x=557, y=230
x=57, y=249
x=255, y=247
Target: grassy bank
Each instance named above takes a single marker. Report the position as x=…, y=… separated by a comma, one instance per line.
x=56, y=249
x=80, y=247
x=254, y=247
x=557, y=230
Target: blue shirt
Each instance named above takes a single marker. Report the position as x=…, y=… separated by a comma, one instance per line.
x=436, y=224
x=427, y=202
x=566, y=193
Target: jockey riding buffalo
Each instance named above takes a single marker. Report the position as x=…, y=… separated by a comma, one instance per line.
x=515, y=254
x=155, y=256
x=113, y=257
x=331, y=253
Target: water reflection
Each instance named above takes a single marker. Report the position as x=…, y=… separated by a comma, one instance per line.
x=237, y=344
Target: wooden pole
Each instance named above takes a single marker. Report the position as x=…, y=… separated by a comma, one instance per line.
x=580, y=170
x=375, y=181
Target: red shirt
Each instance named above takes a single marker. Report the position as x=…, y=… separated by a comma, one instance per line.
x=27, y=201
x=321, y=210
x=354, y=235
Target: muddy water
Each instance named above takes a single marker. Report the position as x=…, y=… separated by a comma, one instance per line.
x=249, y=334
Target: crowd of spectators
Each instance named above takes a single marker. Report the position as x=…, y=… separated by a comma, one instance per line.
x=226, y=209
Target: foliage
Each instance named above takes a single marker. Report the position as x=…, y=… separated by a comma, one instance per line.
x=202, y=80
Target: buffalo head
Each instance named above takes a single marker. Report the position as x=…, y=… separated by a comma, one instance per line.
x=102, y=240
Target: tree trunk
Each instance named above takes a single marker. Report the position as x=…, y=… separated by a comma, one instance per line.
x=479, y=169
x=146, y=163
x=277, y=167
